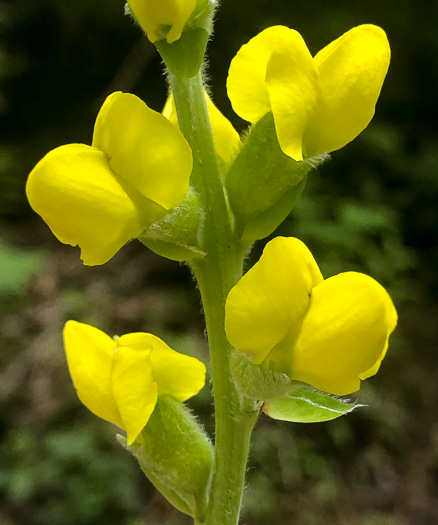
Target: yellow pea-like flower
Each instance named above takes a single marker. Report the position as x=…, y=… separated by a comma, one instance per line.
x=100, y=196
x=328, y=333
x=319, y=103
x=155, y=15
x=120, y=379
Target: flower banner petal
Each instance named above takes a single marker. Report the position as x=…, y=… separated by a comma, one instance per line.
x=177, y=374
x=271, y=297
x=293, y=86
x=78, y=196
x=246, y=85
x=89, y=355
x=144, y=149
x=344, y=333
x=351, y=71
x=134, y=388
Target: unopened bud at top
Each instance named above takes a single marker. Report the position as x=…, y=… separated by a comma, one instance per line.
x=166, y=19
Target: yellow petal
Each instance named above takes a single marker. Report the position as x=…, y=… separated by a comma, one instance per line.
x=246, y=85
x=392, y=317
x=169, y=110
x=89, y=356
x=134, y=388
x=144, y=149
x=344, y=333
x=152, y=14
x=226, y=139
x=177, y=374
x=271, y=298
x=293, y=86
x=352, y=70
x=78, y=196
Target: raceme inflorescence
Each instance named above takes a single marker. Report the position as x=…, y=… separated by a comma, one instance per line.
x=283, y=340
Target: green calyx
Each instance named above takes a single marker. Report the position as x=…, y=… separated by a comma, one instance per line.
x=176, y=456
x=264, y=184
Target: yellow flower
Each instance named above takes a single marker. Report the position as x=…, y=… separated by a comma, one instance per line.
x=328, y=333
x=120, y=380
x=155, y=15
x=319, y=104
x=225, y=137
x=100, y=196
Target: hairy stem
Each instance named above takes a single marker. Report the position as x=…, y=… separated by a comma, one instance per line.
x=216, y=275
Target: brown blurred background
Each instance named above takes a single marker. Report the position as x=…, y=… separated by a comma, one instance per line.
x=372, y=208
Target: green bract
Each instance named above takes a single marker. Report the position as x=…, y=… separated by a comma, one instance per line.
x=306, y=405
x=175, y=236
x=256, y=382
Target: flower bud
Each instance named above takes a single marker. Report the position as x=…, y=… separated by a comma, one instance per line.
x=167, y=18
x=180, y=29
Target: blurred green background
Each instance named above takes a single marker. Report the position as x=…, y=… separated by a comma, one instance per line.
x=373, y=208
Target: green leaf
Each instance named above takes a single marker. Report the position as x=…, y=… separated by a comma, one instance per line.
x=255, y=381
x=175, y=236
x=302, y=404
x=176, y=455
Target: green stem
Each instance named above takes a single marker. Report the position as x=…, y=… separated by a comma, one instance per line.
x=216, y=274
x=234, y=422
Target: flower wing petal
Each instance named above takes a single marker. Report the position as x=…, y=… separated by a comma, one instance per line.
x=246, y=85
x=293, y=86
x=144, y=149
x=78, y=196
x=351, y=71
x=177, y=374
x=134, y=388
x=89, y=354
x=271, y=297
x=344, y=333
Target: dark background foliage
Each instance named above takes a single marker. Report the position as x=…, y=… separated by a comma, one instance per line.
x=372, y=208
